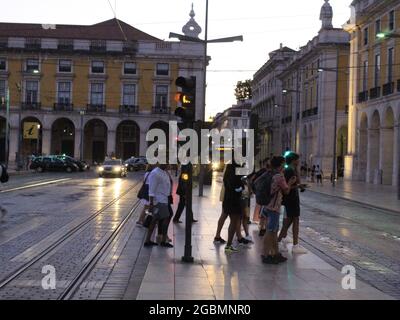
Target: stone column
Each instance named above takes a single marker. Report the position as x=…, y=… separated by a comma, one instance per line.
x=386, y=155
x=77, y=143
x=13, y=145
x=46, y=141
x=111, y=142
x=373, y=154
x=396, y=156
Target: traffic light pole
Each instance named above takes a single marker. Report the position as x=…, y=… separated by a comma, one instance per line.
x=188, y=170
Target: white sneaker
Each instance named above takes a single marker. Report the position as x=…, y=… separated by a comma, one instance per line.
x=249, y=238
x=282, y=247
x=299, y=249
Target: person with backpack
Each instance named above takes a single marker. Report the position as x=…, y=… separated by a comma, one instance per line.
x=4, y=177
x=291, y=203
x=144, y=198
x=276, y=187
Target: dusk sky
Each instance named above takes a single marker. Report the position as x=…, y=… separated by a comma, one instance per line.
x=263, y=23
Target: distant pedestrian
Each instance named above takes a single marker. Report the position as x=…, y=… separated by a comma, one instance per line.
x=159, y=191
x=291, y=203
x=319, y=174
x=278, y=187
x=145, y=201
x=161, y=224
x=245, y=203
x=181, y=192
x=314, y=168
x=223, y=216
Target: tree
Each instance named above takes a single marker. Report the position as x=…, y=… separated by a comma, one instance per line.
x=243, y=90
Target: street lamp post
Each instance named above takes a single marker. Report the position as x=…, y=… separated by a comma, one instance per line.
x=38, y=139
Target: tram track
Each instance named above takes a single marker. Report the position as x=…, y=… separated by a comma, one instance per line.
x=70, y=234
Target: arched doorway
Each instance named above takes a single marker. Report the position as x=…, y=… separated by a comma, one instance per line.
x=128, y=140
x=341, y=147
x=95, y=141
x=387, y=136
x=374, y=149
x=63, y=137
x=363, y=147
x=31, y=131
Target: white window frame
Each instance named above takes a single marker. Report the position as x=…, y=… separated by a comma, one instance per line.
x=58, y=90
x=90, y=92
x=26, y=64
x=91, y=67
x=155, y=94
x=377, y=69
x=59, y=63
x=5, y=90
x=388, y=65
x=129, y=74
x=26, y=89
x=123, y=93
x=163, y=75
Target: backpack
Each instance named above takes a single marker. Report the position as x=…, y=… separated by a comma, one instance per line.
x=4, y=174
x=263, y=188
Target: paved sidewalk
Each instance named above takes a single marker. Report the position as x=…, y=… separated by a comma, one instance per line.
x=379, y=196
x=241, y=276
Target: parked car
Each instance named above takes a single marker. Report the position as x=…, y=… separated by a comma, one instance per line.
x=82, y=165
x=41, y=164
x=136, y=164
x=114, y=168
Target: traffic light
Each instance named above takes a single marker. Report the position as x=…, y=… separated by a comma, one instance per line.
x=187, y=99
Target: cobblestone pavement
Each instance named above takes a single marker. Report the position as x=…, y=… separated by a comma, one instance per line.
x=348, y=233
x=40, y=216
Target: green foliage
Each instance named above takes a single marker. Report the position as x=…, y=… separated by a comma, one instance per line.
x=243, y=90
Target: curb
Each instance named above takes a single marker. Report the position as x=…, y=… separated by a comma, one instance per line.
x=356, y=201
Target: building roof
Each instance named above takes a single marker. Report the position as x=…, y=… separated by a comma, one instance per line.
x=106, y=30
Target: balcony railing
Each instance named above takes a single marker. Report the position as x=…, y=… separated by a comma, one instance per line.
x=31, y=106
x=388, y=88
x=63, y=107
x=98, y=49
x=128, y=109
x=161, y=110
x=375, y=93
x=96, y=108
x=363, y=96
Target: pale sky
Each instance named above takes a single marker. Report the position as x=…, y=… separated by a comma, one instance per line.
x=264, y=24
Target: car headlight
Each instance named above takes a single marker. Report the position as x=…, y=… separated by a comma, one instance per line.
x=101, y=169
x=117, y=169
x=215, y=166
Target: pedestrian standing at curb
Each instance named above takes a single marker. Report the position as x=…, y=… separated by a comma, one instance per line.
x=232, y=205
x=319, y=174
x=223, y=216
x=159, y=191
x=245, y=203
x=291, y=202
x=145, y=202
x=313, y=173
x=277, y=188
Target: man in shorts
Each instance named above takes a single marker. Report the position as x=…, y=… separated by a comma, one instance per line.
x=279, y=187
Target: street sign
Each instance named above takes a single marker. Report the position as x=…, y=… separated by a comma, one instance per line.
x=31, y=131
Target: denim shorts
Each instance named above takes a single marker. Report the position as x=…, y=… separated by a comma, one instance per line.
x=273, y=220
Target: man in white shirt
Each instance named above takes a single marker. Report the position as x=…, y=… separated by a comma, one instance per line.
x=159, y=191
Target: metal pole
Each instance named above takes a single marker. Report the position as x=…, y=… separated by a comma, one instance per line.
x=297, y=110
x=201, y=175
x=6, y=143
x=335, y=122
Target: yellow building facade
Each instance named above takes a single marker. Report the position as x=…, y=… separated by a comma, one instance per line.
x=92, y=90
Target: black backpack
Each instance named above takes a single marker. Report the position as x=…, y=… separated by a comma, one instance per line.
x=4, y=174
x=263, y=188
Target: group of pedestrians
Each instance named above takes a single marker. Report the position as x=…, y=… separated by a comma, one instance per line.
x=276, y=187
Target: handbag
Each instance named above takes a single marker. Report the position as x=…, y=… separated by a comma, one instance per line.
x=144, y=191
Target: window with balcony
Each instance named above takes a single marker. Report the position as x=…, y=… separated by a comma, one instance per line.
x=96, y=94
x=98, y=46
x=32, y=65
x=162, y=69
x=32, y=92
x=64, y=93
x=161, y=96
x=366, y=36
x=129, y=94
x=2, y=91
x=377, y=73
x=129, y=68
x=391, y=20
x=97, y=67
x=3, y=64
x=33, y=43
x=65, y=66
x=390, y=64
x=65, y=44
x=365, y=75
x=378, y=26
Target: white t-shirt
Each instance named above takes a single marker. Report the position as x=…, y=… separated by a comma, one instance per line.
x=159, y=186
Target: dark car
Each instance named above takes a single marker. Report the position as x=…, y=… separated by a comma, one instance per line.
x=82, y=165
x=136, y=164
x=114, y=168
x=41, y=164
